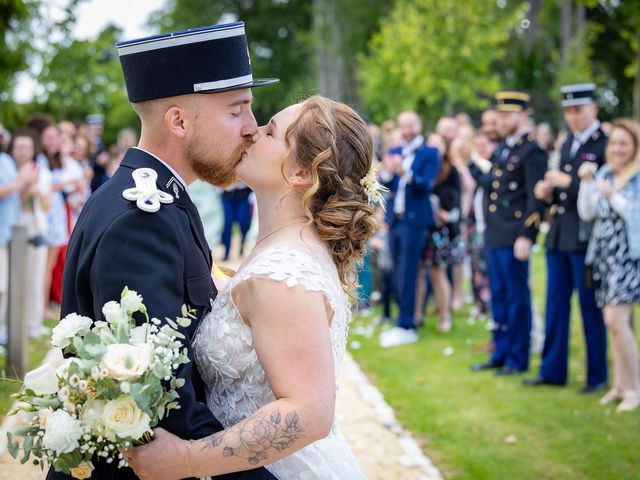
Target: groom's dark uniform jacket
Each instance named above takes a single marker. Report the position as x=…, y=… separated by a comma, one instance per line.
x=165, y=258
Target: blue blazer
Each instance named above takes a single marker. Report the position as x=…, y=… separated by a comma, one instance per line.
x=425, y=169
x=164, y=257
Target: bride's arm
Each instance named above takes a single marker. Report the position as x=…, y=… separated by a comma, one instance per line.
x=290, y=329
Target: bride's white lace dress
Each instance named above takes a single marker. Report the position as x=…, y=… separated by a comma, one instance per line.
x=236, y=384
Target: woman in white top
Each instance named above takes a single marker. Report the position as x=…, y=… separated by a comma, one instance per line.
x=36, y=202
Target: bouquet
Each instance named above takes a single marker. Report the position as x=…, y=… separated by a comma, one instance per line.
x=118, y=383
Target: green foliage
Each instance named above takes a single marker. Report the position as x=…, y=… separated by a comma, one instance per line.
x=435, y=56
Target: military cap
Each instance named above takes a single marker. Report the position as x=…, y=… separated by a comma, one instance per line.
x=578, y=94
x=200, y=60
x=512, y=101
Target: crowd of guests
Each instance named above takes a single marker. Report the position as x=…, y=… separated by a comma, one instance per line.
x=468, y=204
x=47, y=172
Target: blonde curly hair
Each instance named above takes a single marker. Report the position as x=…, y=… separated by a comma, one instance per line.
x=332, y=142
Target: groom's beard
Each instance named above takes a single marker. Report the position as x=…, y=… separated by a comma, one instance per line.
x=214, y=166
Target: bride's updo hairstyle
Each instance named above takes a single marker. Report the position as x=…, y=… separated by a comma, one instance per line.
x=332, y=142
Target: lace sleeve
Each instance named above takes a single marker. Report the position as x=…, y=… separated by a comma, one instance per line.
x=291, y=266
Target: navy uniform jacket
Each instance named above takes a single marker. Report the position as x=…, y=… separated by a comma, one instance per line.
x=567, y=233
x=165, y=258
x=511, y=209
x=424, y=170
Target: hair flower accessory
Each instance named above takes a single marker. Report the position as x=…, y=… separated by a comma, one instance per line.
x=373, y=189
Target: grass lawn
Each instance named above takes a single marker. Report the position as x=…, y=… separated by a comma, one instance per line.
x=463, y=418
x=37, y=349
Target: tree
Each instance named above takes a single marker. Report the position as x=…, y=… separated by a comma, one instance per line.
x=435, y=57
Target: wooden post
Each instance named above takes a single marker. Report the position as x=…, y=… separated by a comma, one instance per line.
x=17, y=352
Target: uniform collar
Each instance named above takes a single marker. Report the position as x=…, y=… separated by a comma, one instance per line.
x=513, y=140
x=168, y=180
x=584, y=135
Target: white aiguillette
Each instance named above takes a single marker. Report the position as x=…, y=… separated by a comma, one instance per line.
x=146, y=195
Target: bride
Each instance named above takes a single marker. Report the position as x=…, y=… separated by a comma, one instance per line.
x=271, y=348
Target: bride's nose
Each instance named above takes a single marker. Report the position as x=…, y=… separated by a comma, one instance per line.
x=259, y=134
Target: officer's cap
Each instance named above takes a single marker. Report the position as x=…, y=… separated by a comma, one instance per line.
x=578, y=94
x=512, y=101
x=200, y=60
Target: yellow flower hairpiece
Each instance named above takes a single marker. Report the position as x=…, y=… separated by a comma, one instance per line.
x=373, y=189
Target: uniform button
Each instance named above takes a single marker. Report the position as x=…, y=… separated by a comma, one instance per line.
x=495, y=184
x=560, y=210
x=518, y=214
x=510, y=167
x=493, y=196
x=563, y=195
x=498, y=173
x=568, y=167
x=492, y=208
x=513, y=185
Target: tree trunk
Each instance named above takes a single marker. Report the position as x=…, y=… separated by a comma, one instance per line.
x=532, y=32
x=330, y=64
x=581, y=15
x=565, y=29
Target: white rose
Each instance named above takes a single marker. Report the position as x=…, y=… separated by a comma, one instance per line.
x=131, y=302
x=70, y=326
x=139, y=335
x=122, y=361
x=42, y=380
x=123, y=418
x=91, y=415
x=113, y=313
x=62, y=432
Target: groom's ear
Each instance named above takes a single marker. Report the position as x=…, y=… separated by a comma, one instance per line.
x=301, y=177
x=174, y=121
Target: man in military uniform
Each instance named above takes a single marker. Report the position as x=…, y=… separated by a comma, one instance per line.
x=513, y=216
x=567, y=243
x=191, y=90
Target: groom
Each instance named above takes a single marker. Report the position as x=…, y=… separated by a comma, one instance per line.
x=192, y=92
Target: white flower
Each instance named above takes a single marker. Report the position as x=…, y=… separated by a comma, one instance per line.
x=91, y=415
x=126, y=362
x=70, y=326
x=131, y=301
x=82, y=471
x=42, y=380
x=123, y=418
x=140, y=334
x=63, y=370
x=112, y=311
x=62, y=432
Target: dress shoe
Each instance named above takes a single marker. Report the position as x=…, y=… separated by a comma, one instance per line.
x=535, y=382
x=630, y=401
x=598, y=387
x=612, y=396
x=478, y=367
x=508, y=370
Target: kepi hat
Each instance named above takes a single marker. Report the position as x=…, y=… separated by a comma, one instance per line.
x=578, y=94
x=209, y=59
x=512, y=101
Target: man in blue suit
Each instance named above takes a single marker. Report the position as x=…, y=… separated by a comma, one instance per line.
x=409, y=172
x=191, y=90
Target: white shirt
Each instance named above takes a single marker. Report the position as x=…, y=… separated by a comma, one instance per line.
x=408, y=155
x=581, y=137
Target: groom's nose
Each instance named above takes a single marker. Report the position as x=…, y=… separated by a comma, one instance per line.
x=250, y=127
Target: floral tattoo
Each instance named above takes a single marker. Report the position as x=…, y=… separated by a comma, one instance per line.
x=252, y=438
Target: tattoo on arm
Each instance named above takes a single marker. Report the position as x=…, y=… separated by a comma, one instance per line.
x=252, y=438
